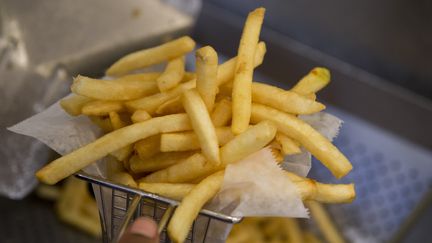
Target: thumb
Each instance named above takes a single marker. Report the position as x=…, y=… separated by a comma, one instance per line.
x=143, y=230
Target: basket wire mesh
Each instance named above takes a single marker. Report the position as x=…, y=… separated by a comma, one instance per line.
x=119, y=205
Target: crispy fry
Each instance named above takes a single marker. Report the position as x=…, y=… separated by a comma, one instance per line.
x=73, y=104
x=155, y=55
x=140, y=116
x=102, y=123
x=174, y=191
x=157, y=162
x=125, y=88
x=171, y=106
x=313, y=82
x=123, y=153
x=116, y=121
x=191, y=204
x=308, y=137
x=242, y=85
x=222, y=113
x=186, y=141
x=206, y=71
x=172, y=74
x=252, y=140
x=101, y=107
x=148, y=147
x=288, y=146
x=202, y=125
x=324, y=222
x=80, y=158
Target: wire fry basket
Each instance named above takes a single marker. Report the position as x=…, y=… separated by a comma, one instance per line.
x=119, y=205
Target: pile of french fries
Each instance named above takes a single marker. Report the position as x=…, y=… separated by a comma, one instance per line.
x=173, y=133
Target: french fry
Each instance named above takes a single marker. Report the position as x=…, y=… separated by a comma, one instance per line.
x=191, y=204
x=174, y=191
x=102, y=123
x=172, y=74
x=128, y=87
x=140, y=116
x=123, y=153
x=186, y=141
x=171, y=106
x=206, y=71
x=287, y=101
x=101, y=107
x=117, y=174
x=202, y=125
x=148, y=57
x=252, y=140
x=288, y=146
x=80, y=158
x=157, y=162
x=242, y=84
x=313, y=82
x=324, y=222
x=308, y=137
x=118, y=123
x=73, y=104
x=222, y=113
x=188, y=76
x=148, y=147
x=292, y=229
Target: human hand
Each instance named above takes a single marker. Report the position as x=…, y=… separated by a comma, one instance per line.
x=143, y=230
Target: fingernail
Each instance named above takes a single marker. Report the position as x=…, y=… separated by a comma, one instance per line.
x=145, y=227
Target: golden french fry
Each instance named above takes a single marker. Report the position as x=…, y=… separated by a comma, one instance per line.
x=148, y=147
x=140, y=116
x=73, y=104
x=308, y=137
x=242, y=84
x=102, y=123
x=116, y=121
x=222, y=113
x=191, y=204
x=186, y=141
x=80, y=158
x=206, y=71
x=125, y=88
x=157, y=162
x=287, y=101
x=123, y=153
x=202, y=125
x=324, y=222
x=172, y=74
x=313, y=82
x=171, y=106
x=155, y=55
x=101, y=107
x=288, y=146
x=327, y=193
x=250, y=141
x=225, y=73
x=292, y=229
x=173, y=191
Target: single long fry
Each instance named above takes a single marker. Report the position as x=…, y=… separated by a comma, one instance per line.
x=191, y=204
x=73, y=104
x=222, y=113
x=148, y=147
x=173, y=191
x=155, y=55
x=140, y=116
x=242, y=85
x=288, y=146
x=324, y=222
x=287, y=101
x=80, y=158
x=206, y=71
x=157, y=162
x=308, y=137
x=202, y=125
x=313, y=82
x=186, y=141
x=252, y=140
x=101, y=107
x=125, y=88
x=172, y=74
x=171, y=106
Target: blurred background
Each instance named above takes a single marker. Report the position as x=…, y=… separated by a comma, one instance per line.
x=379, y=54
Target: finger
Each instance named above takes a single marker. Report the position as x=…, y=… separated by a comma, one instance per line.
x=143, y=230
